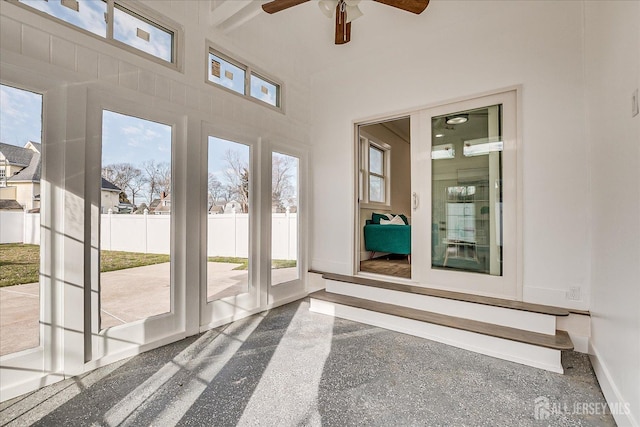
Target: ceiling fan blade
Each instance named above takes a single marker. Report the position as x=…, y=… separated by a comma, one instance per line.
x=414, y=6
x=343, y=28
x=278, y=5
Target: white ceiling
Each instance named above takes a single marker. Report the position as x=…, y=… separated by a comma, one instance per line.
x=305, y=32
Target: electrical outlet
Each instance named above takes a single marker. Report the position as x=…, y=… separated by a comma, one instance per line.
x=573, y=293
x=634, y=103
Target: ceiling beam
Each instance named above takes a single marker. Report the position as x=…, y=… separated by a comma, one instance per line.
x=225, y=10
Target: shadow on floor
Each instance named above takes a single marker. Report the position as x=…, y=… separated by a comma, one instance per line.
x=292, y=367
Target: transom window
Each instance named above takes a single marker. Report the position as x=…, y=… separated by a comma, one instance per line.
x=240, y=78
x=141, y=29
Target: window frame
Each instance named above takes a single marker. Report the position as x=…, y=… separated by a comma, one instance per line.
x=139, y=11
x=366, y=143
x=249, y=71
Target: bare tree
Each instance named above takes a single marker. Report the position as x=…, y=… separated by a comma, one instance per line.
x=158, y=177
x=283, y=188
x=126, y=176
x=216, y=190
x=237, y=177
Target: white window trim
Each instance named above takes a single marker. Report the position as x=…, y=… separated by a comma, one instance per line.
x=249, y=70
x=365, y=173
x=145, y=13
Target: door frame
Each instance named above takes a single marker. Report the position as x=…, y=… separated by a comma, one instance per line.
x=107, y=345
x=518, y=179
x=218, y=312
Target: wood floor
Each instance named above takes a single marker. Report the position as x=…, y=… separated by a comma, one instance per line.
x=391, y=265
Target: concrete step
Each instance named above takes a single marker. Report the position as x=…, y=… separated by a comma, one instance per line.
x=516, y=345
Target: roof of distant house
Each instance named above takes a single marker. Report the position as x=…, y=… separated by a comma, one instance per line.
x=31, y=172
x=10, y=205
x=109, y=186
x=15, y=155
x=30, y=159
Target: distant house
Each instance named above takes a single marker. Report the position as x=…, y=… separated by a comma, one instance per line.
x=233, y=207
x=20, y=170
x=161, y=206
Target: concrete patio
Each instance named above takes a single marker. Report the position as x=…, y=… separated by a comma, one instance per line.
x=127, y=295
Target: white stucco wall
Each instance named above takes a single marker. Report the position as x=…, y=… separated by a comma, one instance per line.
x=461, y=49
x=612, y=74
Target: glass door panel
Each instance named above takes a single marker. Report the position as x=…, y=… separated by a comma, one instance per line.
x=466, y=194
x=465, y=233
x=228, y=219
x=21, y=249
x=135, y=219
x=284, y=218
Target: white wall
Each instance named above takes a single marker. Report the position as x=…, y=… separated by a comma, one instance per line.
x=612, y=74
x=457, y=50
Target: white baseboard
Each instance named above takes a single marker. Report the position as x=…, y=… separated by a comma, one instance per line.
x=30, y=385
x=611, y=392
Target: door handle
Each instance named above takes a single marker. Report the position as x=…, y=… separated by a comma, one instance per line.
x=415, y=200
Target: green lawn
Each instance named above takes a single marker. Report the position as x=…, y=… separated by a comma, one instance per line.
x=21, y=263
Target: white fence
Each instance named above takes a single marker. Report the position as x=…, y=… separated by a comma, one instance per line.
x=227, y=234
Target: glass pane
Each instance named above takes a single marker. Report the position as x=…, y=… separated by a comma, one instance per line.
x=20, y=223
x=264, y=90
x=467, y=192
x=226, y=74
x=86, y=14
x=284, y=218
x=141, y=34
x=135, y=223
x=376, y=157
x=376, y=189
x=227, y=219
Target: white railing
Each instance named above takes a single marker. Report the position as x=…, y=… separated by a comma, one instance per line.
x=227, y=234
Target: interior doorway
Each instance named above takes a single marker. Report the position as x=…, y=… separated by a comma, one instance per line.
x=384, y=199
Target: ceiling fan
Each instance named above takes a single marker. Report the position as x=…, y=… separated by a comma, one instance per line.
x=345, y=11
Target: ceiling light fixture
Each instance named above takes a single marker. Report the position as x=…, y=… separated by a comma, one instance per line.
x=350, y=7
x=457, y=119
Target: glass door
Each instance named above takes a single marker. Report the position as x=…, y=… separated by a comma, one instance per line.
x=137, y=297
x=284, y=171
x=231, y=288
x=27, y=296
x=465, y=200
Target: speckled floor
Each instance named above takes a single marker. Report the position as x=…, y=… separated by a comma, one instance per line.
x=290, y=367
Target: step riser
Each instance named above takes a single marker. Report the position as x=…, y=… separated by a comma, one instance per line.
x=524, y=320
x=526, y=354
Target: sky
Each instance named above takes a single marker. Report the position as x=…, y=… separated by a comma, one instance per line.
x=90, y=16
x=125, y=139
x=20, y=116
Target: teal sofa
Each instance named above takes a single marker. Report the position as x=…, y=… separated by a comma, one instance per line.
x=395, y=239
